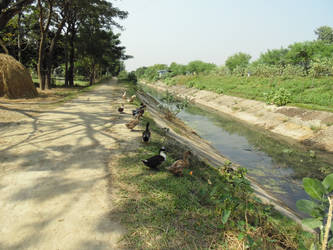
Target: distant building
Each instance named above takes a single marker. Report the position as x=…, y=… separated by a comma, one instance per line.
x=162, y=72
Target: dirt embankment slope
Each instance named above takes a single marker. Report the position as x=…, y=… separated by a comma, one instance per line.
x=309, y=127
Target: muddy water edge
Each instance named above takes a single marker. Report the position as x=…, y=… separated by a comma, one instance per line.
x=278, y=164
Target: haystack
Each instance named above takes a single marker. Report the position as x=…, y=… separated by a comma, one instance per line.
x=15, y=79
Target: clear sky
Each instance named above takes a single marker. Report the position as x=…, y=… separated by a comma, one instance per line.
x=165, y=31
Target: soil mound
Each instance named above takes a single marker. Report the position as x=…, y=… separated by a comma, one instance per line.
x=15, y=79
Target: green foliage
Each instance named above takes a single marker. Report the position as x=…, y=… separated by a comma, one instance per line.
x=127, y=76
x=325, y=33
x=237, y=60
x=314, y=188
x=273, y=57
x=279, y=97
x=123, y=75
x=200, y=67
x=132, y=77
x=151, y=73
x=177, y=69
x=172, y=104
x=318, y=207
x=321, y=67
x=303, y=53
x=315, y=93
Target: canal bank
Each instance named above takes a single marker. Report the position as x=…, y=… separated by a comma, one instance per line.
x=311, y=128
x=275, y=168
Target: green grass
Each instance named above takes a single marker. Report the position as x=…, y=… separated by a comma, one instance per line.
x=312, y=93
x=161, y=211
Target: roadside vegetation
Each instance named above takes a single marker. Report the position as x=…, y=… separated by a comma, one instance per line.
x=320, y=208
x=206, y=208
x=300, y=75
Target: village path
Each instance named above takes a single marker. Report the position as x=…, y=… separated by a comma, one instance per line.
x=55, y=174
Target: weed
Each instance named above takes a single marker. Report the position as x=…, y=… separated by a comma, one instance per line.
x=315, y=128
x=301, y=91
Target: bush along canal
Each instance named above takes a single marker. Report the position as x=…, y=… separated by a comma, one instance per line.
x=276, y=165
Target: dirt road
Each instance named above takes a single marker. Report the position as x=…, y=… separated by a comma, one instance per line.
x=55, y=176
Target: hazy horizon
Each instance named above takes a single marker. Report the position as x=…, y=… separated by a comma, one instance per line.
x=182, y=31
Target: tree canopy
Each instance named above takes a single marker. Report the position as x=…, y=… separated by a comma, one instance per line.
x=47, y=34
x=325, y=33
x=238, y=60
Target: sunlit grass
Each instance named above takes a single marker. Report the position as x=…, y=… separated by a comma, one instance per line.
x=313, y=93
x=162, y=211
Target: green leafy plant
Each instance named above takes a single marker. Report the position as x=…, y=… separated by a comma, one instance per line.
x=172, y=106
x=278, y=97
x=319, y=208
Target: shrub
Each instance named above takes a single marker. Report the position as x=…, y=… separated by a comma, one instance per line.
x=319, y=208
x=122, y=75
x=132, y=77
x=321, y=67
x=279, y=97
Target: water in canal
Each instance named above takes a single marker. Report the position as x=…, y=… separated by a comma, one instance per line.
x=276, y=165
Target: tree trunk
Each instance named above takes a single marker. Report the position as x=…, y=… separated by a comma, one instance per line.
x=19, y=37
x=92, y=75
x=71, y=59
x=49, y=63
x=43, y=35
x=3, y=46
x=66, y=58
x=40, y=64
x=48, y=76
x=66, y=69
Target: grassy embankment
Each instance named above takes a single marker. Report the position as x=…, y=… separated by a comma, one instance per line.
x=312, y=93
x=162, y=211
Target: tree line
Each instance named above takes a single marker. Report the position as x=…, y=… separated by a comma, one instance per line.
x=72, y=36
x=309, y=58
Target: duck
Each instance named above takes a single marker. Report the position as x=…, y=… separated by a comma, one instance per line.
x=178, y=166
x=156, y=160
x=132, y=98
x=134, y=122
x=121, y=109
x=124, y=96
x=139, y=110
x=146, y=134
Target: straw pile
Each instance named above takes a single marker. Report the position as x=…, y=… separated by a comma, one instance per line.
x=15, y=79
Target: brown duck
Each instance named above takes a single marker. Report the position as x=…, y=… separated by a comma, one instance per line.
x=178, y=166
x=134, y=122
x=124, y=96
x=132, y=98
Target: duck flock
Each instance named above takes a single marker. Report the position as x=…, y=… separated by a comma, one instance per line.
x=153, y=162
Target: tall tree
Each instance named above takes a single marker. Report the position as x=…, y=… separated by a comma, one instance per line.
x=99, y=14
x=324, y=33
x=303, y=53
x=240, y=59
x=60, y=14
x=273, y=57
x=99, y=51
x=8, y=9
x=45, y=15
